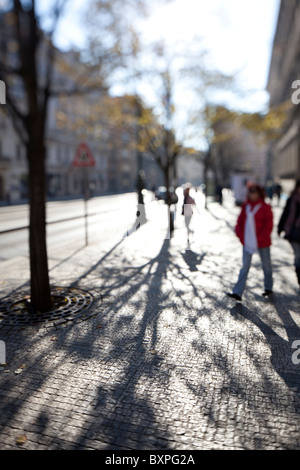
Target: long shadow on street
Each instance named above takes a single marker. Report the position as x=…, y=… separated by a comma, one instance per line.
x=166, y=363
x=132, y=421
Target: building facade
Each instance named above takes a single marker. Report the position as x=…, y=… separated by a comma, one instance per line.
x=284, y=72
x=13, y=164
x=106, y=124
x=238, y=150
x=112, y=142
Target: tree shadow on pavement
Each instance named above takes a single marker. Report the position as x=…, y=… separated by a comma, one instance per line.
x=229, y=224
x=164, y=363
x=123, y=408
x=110, y=252
x=281, y=348
x=150, y=323
x=100, y=374
x=192, y=259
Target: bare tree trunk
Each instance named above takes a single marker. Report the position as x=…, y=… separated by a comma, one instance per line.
x=207, y=166
x=40, y=286
x=169, y=198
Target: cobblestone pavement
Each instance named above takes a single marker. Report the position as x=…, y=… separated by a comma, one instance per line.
x=166, y=361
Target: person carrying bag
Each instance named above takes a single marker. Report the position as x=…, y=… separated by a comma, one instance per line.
x=290, y=224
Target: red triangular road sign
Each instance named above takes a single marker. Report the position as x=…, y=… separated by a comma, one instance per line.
x=84, y=156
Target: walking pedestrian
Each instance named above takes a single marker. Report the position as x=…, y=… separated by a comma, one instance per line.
x=187, y=210
x=290, y=224
x=254, y=227
x=278, y=191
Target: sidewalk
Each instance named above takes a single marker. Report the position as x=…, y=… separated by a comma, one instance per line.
x=162, y=359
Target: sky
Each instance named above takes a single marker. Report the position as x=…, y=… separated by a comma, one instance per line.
x=238, y=35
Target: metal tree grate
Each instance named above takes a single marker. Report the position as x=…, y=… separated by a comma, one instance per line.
x=69, y=304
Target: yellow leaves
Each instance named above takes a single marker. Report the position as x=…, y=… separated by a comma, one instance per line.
x=61, y=120
x=141, y=147
x=267, y=125
x=20, y=369
x=144, y=119
x=221, y=137
x=21, y=440
x=218, y=114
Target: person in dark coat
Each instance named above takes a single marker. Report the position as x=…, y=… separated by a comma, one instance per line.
x=290, y=224
x=254, y=228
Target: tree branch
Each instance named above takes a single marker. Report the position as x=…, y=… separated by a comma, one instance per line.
x=19, y=119
x=58, y=9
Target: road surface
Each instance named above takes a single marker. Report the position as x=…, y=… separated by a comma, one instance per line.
x=109, y=217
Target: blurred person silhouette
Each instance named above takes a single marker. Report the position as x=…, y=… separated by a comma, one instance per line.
x=290, y=224
x=187, y=209
x=278, y=191
x=219, y=194
x=270, y=190
x=254, y=227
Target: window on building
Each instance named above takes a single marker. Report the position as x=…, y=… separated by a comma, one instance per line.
x=58, y=154
x=67, y=154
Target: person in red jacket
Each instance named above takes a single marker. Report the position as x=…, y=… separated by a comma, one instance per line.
x=254, y=228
